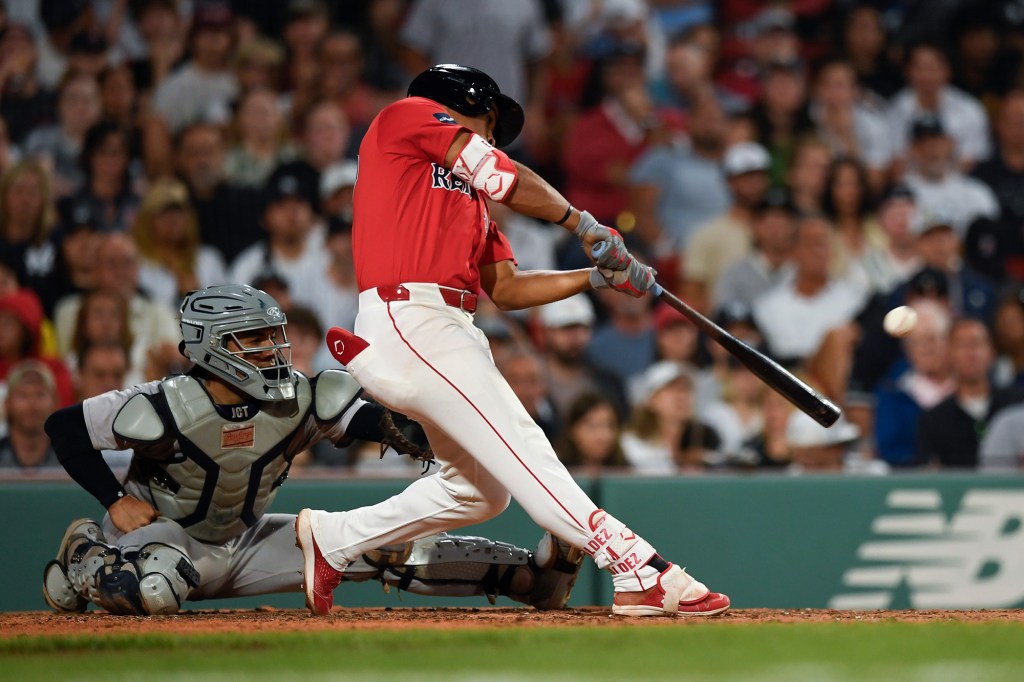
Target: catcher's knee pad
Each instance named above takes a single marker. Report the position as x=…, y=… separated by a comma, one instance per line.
x=460, y=566
x=154, y=580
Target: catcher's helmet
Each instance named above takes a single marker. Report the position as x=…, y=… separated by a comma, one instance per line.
x=471, y=92
x=212, y=317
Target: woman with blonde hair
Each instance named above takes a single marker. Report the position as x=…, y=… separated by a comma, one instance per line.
x=26, y=228
x=172, y=261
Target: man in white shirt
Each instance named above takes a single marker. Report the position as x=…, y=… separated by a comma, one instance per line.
x=295, y=242
x=938, y=185
x=795, y=316
x=929, y=92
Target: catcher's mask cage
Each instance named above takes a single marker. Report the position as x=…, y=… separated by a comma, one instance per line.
x=471, y=92
x=214, y=326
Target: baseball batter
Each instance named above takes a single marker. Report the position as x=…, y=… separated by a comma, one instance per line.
x=424, y=245
x=211, y=448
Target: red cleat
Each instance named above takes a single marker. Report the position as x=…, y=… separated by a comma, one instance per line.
x=675, y=594
x=319, y=578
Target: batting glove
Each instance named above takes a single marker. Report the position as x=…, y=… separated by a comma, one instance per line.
x=615, y=256
x=636, y=280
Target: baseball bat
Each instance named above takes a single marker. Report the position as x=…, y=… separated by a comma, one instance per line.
x=815, y=405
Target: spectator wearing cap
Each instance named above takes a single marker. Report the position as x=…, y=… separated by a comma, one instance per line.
x=912, y=386
x=22, y=338
x=948, y=435
x=727, y=238
x=623, y=343
x=970, y=294
x=797, y=315
x=26, y=228
x=815, y=449
x=892, y=261
x=88, y=53
x=590, y=442
x=25, y=104
x=259, y=144
x=929, y=94
x=153, y=324
x=769, y=264
x=172, y=261
x=106, y=161
x=618, y=124
x=675, y=189
x=31, y=397
x=258, y=66
x=566, y=329
x=851, y=128
x=847, y=203
x=984, y=61
x=663, y=436
x=337, y=184
x=227, y=215
x=204, y=86
x=59, y=145
x=294, y=243
x=940, y=187
x=996, y=248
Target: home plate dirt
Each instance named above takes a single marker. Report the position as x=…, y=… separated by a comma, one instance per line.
x=41, y=623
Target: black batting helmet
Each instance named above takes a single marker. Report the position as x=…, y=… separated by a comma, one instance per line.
x=471, y=92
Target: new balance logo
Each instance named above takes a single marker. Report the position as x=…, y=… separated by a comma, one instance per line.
x=974, y=559
x=442, y=178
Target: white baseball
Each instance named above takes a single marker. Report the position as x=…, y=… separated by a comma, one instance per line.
x=899, y=321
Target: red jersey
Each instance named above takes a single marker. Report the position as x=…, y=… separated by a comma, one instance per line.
x=414, y=221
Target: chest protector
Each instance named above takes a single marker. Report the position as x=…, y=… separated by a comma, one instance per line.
x=212, y=474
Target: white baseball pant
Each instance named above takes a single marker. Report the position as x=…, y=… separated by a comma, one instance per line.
x=426, y=359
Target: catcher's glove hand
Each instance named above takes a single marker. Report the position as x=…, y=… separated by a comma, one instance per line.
x=405, y=436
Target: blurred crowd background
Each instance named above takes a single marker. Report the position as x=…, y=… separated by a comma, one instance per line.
x=792, y=169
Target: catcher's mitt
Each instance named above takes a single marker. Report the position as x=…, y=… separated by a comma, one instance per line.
x=405, y=436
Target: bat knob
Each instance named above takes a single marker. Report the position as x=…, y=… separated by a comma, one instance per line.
x=598, y=248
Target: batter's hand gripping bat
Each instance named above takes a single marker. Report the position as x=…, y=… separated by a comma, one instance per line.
x=817, y=406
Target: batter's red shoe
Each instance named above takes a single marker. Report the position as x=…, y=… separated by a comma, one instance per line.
x=319, y=578
x=675, y=594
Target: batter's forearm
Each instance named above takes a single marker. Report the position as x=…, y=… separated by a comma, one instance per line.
x=536, y=287
x=535, y=197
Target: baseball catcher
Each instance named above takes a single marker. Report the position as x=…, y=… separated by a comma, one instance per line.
x=210, y=449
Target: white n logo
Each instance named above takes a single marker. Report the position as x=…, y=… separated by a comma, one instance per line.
x=974, y=561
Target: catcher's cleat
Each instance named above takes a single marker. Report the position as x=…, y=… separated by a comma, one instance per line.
x=675, y=594
x=319, y=578
x=58, y=591
x=556, y=564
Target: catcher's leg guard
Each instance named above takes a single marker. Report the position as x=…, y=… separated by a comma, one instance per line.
x=154, y=580
x=466, y=566
x=58, y=590
x=556, y=564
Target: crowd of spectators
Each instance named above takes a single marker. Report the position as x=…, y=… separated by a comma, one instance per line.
x=794, y=169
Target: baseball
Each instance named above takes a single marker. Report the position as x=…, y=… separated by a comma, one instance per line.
x=899, y=321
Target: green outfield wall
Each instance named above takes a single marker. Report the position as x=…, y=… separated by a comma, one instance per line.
x=902, y=541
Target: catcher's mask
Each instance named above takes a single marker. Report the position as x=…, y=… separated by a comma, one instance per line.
x=237, y=333
x=471, y=92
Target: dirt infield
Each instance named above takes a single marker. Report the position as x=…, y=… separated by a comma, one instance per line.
x=287, y=620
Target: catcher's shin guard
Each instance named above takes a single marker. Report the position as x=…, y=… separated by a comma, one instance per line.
x=154, y=580
x=466, y=566
x=556, y=564
x=58, y=590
